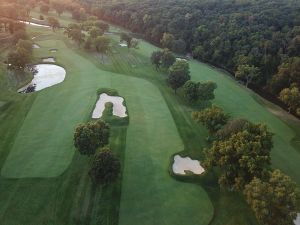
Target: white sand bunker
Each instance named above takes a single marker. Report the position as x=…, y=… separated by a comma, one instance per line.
x=297, y=220
x=118, y=108
x=53, y=50
x=49, y=59
x=34, y=24
x=35, y=46
x=123, y=44
x=47, y=75
x=183, y=164
x=181, y=59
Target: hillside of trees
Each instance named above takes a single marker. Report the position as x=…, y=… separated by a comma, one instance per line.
x=258, y=41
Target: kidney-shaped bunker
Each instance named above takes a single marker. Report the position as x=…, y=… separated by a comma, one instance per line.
x=47, y=75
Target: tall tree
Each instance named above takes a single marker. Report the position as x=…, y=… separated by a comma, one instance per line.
x=156, y=59
x=167, y=58
x=247, y=73
x=167, y=40
x=273, y=201
x=90, y=136
x=53, y=22
x=212, y=118
x=178, y=74
x=105, y=167
x=102, y=44
x=290, y=97
x=241, y=157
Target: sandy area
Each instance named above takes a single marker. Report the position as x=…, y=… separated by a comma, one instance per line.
x=50, y=59
x=182, y=164
x=53, y=50
x=35, y=46
x=297, y=220
x=179, y=59
x=118, y=108
x=123, y=44
x=34, y=24
x=47, y=76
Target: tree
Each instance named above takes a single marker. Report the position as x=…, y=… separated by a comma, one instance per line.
x=53, y=22
x=156, y=59
x=290, y=97
x=102, y=44
x=206, y=90
x=95, y=32
x=212, y=118
x=90, y=136
x=247, y=72
x=105, y=167
x=77, y=36
x=199, y=91
x=102, y=26
x=44, y=8
x=273, y=201
x=179, y=46
x=167, y=58
x=178, y=74
x=130, y=41
x=167, y=40
x=231, y=127
x=242, y=156
x=58, y=6
x=191, y=91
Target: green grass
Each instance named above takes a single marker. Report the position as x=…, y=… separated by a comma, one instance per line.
x=160, y=125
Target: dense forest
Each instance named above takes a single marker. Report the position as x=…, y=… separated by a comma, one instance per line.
x=264, y=35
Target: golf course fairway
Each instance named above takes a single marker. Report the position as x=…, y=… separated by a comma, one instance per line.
x=44, y=180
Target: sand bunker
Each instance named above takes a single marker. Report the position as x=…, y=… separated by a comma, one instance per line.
x=49, y=59
x=118, y=108
x=123, y=44
x=180, y=59
x=35, y=46
x=182, y=164
x=297, y=220
x=47, y=75
x=34, y=24
x=53, y=50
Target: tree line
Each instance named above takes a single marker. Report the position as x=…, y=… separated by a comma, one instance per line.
x=257, y=41
x=241, y=150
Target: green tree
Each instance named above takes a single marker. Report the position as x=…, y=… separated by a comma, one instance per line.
x=44, y=8
x=102, y=44
x=231, y=127
x=290, y=97
x=179, y=46
x=191, y=91
x=167, y=40
x=156, y=59
x=105, y=167
x=247, y=73
x=242, y=156
x=206, y=90
x=90, y=136
x=95, y=32
x=212, y=118
x=167, y=58
x=53, y=22
x=273, y=201
x=178, y=74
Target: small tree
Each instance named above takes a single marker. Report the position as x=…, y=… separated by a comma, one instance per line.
x=156, y=59
x=178, y=74
x=247, y=72
x=212, y=118
x=44, y=8
x=95, y=32
x=167, y=58
x=232, y=127
x=273, y=201
x=53, y=22
x=290, y=97
x=167, y=40
x=191, y=91
x=241, y=157
x=206, y=90
x=102, y=44
x=105, y=167
x=88, y=137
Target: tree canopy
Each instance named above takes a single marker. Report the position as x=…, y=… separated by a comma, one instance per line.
x=178, y=74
